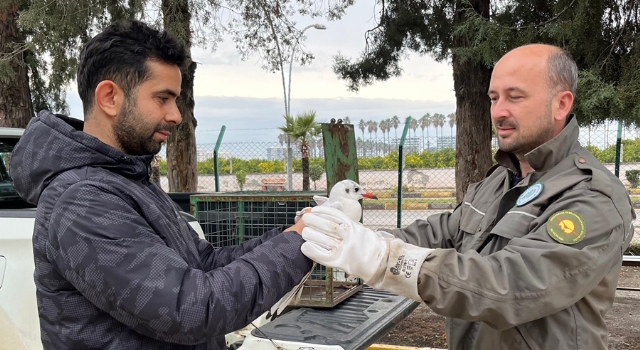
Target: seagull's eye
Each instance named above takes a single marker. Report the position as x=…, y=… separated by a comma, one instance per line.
x=357, y=189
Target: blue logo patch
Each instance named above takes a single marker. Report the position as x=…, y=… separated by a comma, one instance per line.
x=530, y=194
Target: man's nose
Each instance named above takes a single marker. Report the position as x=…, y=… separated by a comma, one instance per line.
x=499, y=109
x=174, y=116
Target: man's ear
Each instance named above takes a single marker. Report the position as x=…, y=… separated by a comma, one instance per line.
x=564, y=103
x=109, y=97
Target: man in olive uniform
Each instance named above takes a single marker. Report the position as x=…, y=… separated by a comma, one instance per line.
x=530, y=259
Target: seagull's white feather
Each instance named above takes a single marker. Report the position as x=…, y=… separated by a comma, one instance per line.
x=320, y=199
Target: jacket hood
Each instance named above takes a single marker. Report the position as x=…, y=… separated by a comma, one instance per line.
x=53, y=144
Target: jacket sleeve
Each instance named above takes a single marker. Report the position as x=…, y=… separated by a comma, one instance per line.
x=111, y=255
x=437, y=231
x=214, y=257
x=534, y=275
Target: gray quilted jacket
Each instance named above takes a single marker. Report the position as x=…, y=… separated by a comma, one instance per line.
x=116, y=267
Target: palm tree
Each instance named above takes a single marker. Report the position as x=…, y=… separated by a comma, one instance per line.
x=389, y=143
x=370, y=130
x=395, y=121
x=363, y=125
x=452, y=121
x=414, y=126
x=441, y=122
x=438, y=120
x=383, y=127
x=303, y=128
x=425, y=121
x=347, y=120
x=374, y=126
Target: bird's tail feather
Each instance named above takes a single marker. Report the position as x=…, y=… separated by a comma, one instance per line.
x=293, y=295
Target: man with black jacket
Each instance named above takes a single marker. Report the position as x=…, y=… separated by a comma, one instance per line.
x=116, y=267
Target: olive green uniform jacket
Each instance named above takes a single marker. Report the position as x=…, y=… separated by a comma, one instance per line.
x=509, y=274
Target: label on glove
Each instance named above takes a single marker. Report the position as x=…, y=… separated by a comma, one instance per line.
x=404, y=266
x=401, y=277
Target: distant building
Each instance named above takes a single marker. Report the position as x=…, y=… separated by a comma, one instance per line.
x=445, y=142
x=279, y=153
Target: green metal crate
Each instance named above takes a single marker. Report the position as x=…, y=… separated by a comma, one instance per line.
x=233, y=217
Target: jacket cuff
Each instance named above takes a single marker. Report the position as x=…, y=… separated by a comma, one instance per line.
x=402, y=269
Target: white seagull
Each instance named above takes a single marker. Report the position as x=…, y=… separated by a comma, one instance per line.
x=343, y=196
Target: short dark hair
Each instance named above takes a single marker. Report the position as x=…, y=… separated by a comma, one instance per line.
x=563, y=72
x=120, y=54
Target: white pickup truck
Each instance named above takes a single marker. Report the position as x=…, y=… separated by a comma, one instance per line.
x=354, y=324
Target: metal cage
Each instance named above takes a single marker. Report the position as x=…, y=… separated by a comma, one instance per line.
x=233, y=217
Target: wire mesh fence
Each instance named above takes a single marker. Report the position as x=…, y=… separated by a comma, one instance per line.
x=428, y=176
x=230, y=218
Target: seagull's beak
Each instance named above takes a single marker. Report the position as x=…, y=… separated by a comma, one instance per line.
x=369, y=195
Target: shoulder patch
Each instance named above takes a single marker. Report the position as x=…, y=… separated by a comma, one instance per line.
x=530, y=194
x=566, y=227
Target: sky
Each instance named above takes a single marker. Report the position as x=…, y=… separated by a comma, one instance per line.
x=249, y=100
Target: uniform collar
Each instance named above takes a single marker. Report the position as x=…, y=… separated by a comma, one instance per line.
x=550, y=153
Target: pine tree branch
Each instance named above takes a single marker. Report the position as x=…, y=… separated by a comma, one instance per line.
x=624, y=25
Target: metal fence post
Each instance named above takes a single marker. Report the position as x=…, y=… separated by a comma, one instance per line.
x=216, y=168
x=407, y=124
x=340, y=153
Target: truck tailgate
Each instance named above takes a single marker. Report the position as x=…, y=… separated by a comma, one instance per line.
x=355, y=323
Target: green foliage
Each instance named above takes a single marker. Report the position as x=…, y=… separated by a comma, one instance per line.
x=607, y=155
x=241, y=178
x=56, y=34
x=315, y=173
x=302, y=128
x=58, y=30
x=631, y=150
x=162, y=167
x=601, y=36
x=633, y=176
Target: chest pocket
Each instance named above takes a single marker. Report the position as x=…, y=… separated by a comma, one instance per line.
x=514, y=224
x=478, y=209
x=472, y=217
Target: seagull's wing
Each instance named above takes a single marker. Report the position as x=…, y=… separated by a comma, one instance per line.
x=294, y=294
x=320, y=200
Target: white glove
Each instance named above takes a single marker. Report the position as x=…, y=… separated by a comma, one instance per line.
x=382, y=261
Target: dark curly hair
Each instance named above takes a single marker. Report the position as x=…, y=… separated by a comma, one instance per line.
x=120, y=54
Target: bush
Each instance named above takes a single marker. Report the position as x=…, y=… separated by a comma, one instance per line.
x=241, y=177
x=633, y=176
x=315, y=173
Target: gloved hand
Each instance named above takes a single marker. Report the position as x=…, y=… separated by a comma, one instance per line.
x=381, y=260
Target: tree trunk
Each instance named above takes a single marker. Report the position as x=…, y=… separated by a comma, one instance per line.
x=182, y=165
x=473, y=134
x=16, y=108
